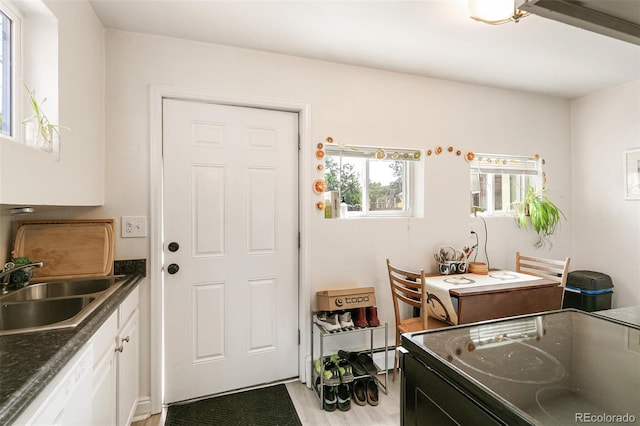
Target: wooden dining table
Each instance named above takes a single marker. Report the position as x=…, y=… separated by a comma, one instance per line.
x=498, y=294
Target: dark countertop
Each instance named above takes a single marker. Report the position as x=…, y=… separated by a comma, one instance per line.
x=29, y=361
x=630, y=314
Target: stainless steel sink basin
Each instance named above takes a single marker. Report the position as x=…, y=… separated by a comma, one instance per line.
x=56, y=289
x=53, y=305
x=41, y=312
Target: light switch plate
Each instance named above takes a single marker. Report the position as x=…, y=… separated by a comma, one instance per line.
x=134, y=226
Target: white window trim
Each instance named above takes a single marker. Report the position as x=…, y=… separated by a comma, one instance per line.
x=368, y=153
x=493, y=164
x=16, y=71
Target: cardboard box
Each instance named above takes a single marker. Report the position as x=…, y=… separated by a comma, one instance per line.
x=347, y=298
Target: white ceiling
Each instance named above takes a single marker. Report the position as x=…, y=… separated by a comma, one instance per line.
x=432, y=38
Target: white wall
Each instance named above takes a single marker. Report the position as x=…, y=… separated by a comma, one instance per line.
x=360, y=106
x=353, y=105
x=607, y=227
x=31, y=177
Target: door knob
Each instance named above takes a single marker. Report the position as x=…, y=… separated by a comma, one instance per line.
x=173, y=268
x=173, y=246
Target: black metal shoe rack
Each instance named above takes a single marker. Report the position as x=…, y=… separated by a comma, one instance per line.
x=317, y=330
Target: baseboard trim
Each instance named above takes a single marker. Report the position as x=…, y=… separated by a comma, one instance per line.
x=143, y=409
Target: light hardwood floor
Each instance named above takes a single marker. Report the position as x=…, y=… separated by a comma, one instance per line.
x=386, y=413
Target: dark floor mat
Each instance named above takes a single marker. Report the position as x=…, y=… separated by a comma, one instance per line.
x=266, y=406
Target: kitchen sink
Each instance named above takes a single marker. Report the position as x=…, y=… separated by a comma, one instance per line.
x=56, y=289
x=41, y=312
x=53, y=305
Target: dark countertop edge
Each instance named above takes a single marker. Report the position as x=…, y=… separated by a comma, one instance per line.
x=629, y=314
x=34, y=385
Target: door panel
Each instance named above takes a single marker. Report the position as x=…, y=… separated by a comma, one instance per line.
x=208, y=322
x=230, y=201
x=209, y=206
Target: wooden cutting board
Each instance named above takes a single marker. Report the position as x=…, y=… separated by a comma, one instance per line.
x=69, y=248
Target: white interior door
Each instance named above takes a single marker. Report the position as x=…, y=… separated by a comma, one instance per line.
x=230, y=202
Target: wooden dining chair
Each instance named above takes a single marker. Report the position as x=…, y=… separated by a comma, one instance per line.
x=407, y=288
x=550, y=269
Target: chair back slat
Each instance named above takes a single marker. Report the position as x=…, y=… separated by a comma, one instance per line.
x=551, y=269
x=412, y=302
x=406, y=287
x=409, y=292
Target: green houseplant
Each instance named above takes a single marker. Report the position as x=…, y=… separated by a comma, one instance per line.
x=537, y=210
x=38, y=128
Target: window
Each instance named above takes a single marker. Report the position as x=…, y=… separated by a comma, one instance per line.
x=371, y=181
x=28, y=56
x=498, y=182
x=6, y=70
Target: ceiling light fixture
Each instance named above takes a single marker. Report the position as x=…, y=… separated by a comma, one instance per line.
x=495, y=12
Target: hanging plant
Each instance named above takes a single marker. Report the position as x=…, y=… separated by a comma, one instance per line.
x=44, y=129
x=537, y=210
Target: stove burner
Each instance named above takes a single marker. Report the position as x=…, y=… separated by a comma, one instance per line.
x=561, y=403
x=513, y=361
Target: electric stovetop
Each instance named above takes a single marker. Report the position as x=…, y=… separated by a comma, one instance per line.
x=563, y=367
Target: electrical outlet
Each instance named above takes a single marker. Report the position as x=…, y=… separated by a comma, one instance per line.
x=134, y=227
x=472, y=227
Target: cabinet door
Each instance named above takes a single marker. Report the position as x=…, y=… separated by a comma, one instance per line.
x=127, y=360
x=104, y=373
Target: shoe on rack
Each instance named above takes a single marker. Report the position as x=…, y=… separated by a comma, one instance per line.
x=366, y=362
x=372, y=316
x=346, y=371
x=359, y=391
x=372, y=392
x=360, y=317
x=331, y=374
x=352, y=359
x=330, y=398
x=326, y=372
x=345, y=320
x=328, y=322
x=344, y=397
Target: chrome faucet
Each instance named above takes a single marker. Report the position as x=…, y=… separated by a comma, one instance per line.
x=11, y=267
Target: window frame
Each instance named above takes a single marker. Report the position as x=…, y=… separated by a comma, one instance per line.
x=527, y=170
x=14, y=108
x=371, y=154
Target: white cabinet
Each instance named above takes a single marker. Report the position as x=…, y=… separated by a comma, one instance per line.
x=115, y=370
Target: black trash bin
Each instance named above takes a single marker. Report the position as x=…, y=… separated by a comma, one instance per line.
x=588, y=291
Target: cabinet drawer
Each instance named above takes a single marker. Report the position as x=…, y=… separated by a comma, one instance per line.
x=127, y=307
